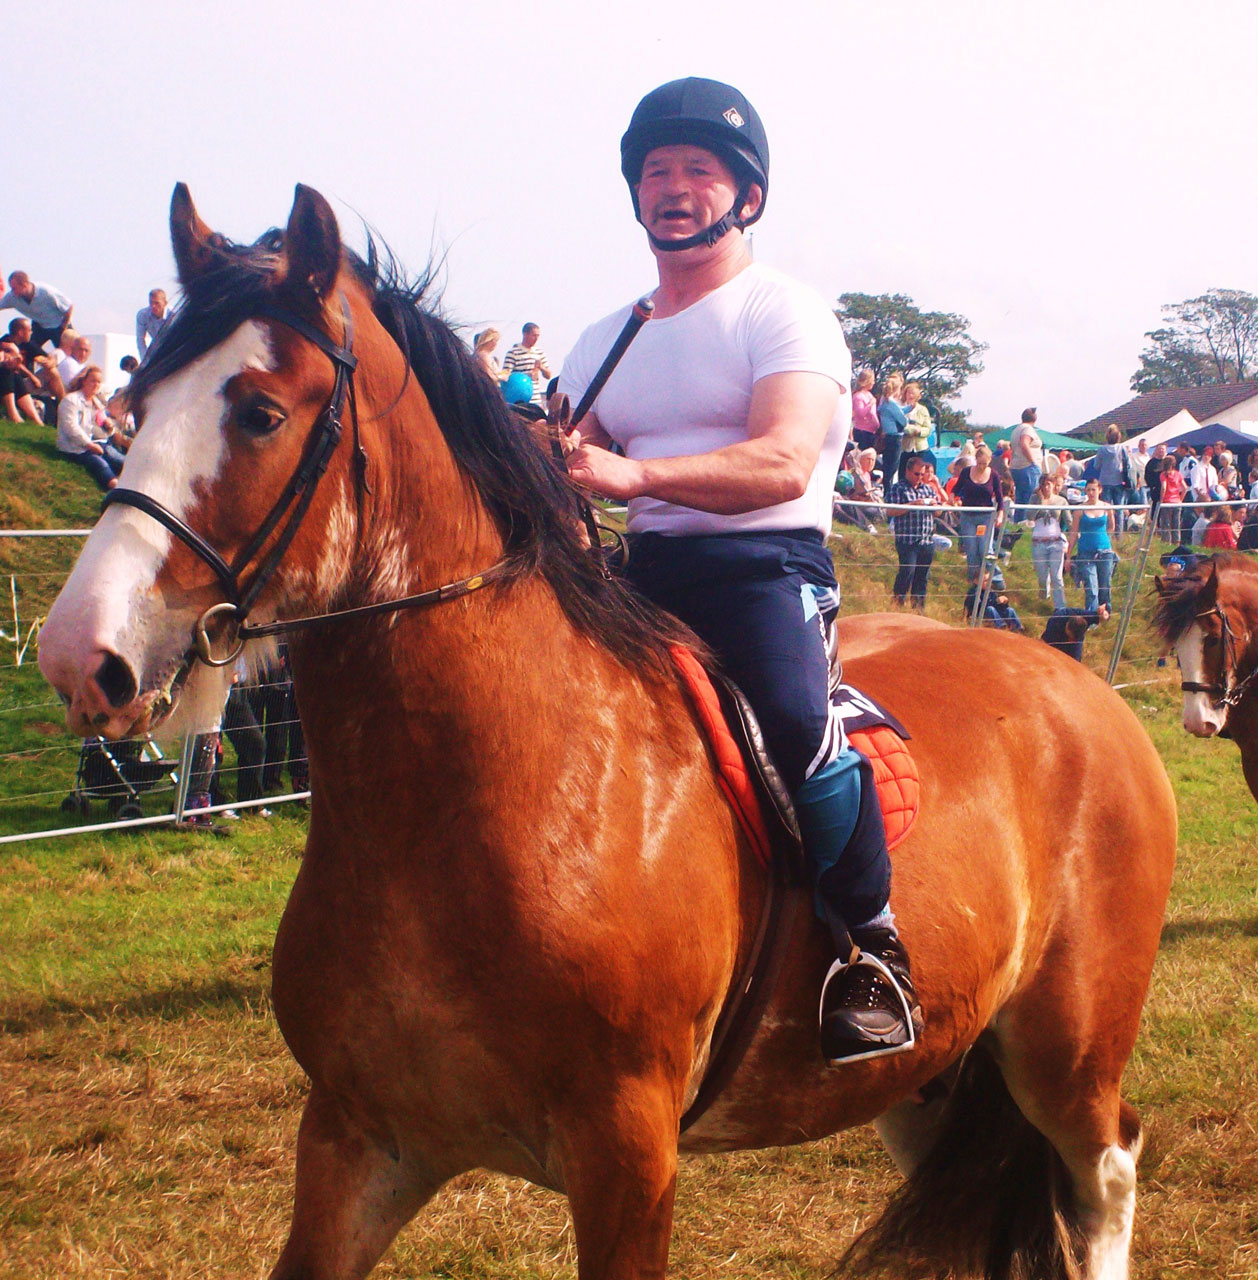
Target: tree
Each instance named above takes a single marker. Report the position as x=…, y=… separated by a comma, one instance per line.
x=887, y=331
x=1209, y=339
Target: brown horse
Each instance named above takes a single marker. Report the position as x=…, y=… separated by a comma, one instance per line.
x=1210, y=616
x=524, y=901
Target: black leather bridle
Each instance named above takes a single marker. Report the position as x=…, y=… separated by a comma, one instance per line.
x=286, y=515
x=1230, y=693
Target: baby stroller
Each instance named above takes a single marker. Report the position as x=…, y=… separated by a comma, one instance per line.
x=117, y=772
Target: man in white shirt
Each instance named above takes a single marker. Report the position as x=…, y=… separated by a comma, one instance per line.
x=150, y=321
x=75, y=354
x=46, y=308
x=527, y=357
x=733, y=406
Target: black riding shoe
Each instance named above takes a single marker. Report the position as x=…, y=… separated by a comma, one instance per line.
x=868, y=1006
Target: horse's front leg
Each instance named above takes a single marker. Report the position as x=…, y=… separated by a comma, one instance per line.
x=352, y=1196
x=619, y=1160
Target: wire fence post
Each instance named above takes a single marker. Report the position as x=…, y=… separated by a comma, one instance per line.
x=1133, y=588
x=185, y=774
x=987, y=575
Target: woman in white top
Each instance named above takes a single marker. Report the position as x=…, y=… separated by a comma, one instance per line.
x=483, y=347
x=1048, y=538
x=84, y=432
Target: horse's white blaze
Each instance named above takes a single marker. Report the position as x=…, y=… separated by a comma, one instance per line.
x=1108, y=1211
x=109, y=603
x=1201, y=716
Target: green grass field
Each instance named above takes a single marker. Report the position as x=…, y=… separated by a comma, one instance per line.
x=148, y=1107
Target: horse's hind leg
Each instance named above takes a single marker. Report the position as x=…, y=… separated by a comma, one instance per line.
x=1069, y=1090
x=352, y=1197
x=619, y=1160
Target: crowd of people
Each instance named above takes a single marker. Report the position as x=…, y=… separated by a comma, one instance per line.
x=47, y=375
x=1074, y=508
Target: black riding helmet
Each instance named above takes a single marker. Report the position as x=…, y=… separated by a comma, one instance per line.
x=700, y=113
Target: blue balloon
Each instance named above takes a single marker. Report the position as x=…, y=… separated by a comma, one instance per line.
x=518, y=388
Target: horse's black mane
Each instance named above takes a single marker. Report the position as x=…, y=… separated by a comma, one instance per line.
x=532, y=502
x=1179, y=598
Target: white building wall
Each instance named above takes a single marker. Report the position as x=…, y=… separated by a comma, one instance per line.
x=107, y=350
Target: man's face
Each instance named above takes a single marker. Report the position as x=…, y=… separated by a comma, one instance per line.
x=683, y=191
x=1160, y=451
x=21, y=332
x=25, y=289
x=916, y=473
x=529, y=337
x=157, y=303
x=80, y=349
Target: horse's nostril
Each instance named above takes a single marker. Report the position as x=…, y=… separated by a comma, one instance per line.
x=116, y=681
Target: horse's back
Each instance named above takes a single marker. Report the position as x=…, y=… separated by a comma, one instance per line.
x=1032, y=859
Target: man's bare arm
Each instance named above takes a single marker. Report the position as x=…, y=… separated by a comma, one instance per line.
x=787, y=423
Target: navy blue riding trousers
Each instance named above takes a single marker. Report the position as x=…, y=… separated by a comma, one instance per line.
x=760, y=602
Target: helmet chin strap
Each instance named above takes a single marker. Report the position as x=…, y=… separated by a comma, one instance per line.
x=707, y=237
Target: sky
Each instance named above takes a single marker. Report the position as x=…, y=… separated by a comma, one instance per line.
x=1054, y=172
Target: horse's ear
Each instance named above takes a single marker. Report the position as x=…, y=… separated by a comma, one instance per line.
x=312, y=244
x=193, y=242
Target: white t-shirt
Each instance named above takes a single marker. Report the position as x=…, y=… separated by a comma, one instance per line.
x=69, y=368
x=684, y=388
x=1025, y=454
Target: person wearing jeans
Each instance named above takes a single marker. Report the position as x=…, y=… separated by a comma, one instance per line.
x=1111, y=459
x=1026, y=461
x=1089, y=533
x=1048, y=540
x=914, y=534
x=978, y=486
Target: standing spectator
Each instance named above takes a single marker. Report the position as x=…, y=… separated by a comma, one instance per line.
x=84, y=430
x=1112, y=472
x=864, y=410
x=891, y=422
x=1220, y=532
x=1174, y=487
x=1253, y=484
x=1140, y=460
x=915, y=443
x=978, y=486
x=46, y=308
x=1229, y=477
x=150, y=321
x=1090, y=535
x=527, y=357
x=1000, y=460
x=484, y=344
x=914, y=534
x=1153, y=476
x=1205, y=479
x=1048, y=540
x=1026, y=461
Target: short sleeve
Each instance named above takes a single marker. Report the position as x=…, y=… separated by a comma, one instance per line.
x=791, y=330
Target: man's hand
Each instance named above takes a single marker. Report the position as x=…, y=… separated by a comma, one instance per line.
x=601, y=470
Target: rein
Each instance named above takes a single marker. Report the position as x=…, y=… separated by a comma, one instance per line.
x=1229, y=694
x=297, y=495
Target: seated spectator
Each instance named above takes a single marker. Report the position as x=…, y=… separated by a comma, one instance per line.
x=76, y=351
x=84, y=432
x=998, y=612
x=1199, y=527
x=17, y=379
x=1220, y=533
x=1066, y=628
x=119, y=406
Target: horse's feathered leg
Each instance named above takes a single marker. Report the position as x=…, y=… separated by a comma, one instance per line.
x=353, y=1196
x=619, y=1160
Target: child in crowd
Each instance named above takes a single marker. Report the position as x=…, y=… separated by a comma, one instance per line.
x=1220, y=533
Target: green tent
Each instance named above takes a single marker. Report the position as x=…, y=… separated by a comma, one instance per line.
x=952, y=439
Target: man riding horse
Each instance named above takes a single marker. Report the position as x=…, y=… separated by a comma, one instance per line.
x=732, y=408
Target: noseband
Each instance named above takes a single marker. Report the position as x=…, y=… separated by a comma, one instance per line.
x=1229, y=694
x=295, y=500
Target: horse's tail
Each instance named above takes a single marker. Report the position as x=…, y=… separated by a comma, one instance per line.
x=991, y=1198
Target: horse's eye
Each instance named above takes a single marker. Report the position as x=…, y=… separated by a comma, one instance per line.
x=259, y=419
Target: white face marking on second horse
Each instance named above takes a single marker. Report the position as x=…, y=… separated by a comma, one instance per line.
x=109, y=603
x=1201, y=716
